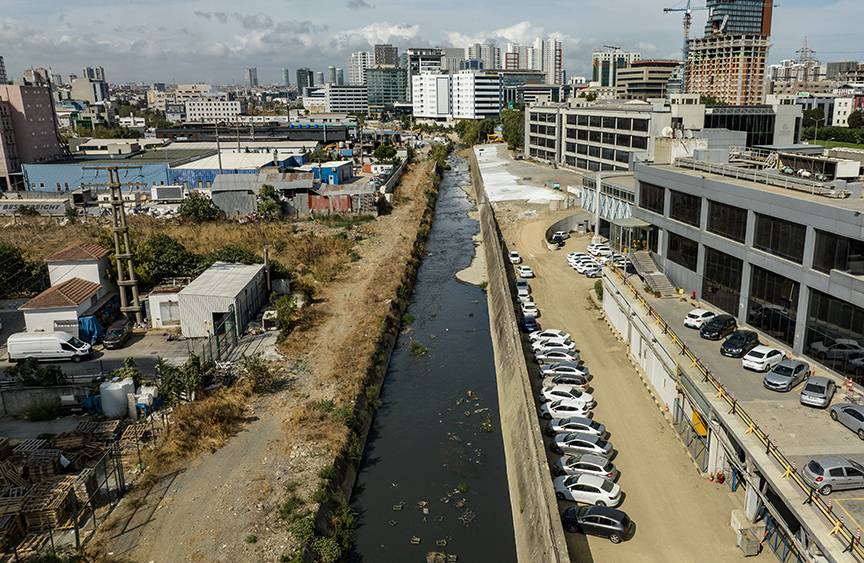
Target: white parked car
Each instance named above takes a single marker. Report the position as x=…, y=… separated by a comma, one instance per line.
x=522, y=288
x=529, y=309
x=553, y=343
x=578, y=381
x=563, y=409
x=550, y=355
x=579, y=443
x=598, y=249
x=575, y=424
x=524, y=272
x=564, y=368
x=698, y=317
x=514, y=257
x=593, y=273
x=582, y=267
x=762, y=358
x=575, y=255
x=585, y=464
x=587, y=489
x=569, y=393
x=547, y=333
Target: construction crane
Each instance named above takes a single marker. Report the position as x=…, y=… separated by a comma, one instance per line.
x=688, y=10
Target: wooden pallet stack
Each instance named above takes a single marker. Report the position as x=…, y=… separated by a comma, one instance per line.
x=50, y=504
x=12, y=500
x=107, y=431
x=43, y=464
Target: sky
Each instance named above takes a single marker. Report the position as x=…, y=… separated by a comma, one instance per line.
x=213, y=41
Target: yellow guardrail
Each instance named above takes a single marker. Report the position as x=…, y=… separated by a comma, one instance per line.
x=839, y=528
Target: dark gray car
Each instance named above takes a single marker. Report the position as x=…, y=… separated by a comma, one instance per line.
x=830, y=472
x=786, y=375
x=851, y=416
x=818, y=392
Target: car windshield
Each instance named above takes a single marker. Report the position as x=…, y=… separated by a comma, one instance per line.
x=608, y=467
x=815, y=388
x=785, y=371
x=601, y=443
x=694, y=315
x=736, y=338
x=75, y=342
x=114, y=332
x=815, y=468
x=754, y=354
x=607, y=486
x=595, y=425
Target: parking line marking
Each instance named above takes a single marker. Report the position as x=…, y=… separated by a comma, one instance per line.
x=850, y=498
x=840, y=504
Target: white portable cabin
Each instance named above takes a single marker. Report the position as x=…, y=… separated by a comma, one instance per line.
x=221, y=289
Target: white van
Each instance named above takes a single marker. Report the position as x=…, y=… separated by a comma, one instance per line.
x=46, y=346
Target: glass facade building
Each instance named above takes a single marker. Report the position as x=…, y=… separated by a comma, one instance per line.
x=773, y=304
x=721, y=284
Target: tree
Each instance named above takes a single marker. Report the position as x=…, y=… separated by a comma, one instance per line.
x=269, y=205
x=513, y=122
x=812, y=117
x=199, y=208
x=710, y=100
x=384, y=153
x=30, y=372
x=161, y=257
x=856, y=119
x=17, y=274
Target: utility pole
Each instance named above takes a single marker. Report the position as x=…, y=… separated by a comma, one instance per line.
x=598, y=187
x=218, y=148
x=126, y=278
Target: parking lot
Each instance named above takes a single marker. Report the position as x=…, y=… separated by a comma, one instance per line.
x=678, y=515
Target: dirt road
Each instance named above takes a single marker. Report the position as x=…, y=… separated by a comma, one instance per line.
x=679, y=515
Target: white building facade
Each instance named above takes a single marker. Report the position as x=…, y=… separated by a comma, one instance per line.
x=213, y=110
x=346, y=99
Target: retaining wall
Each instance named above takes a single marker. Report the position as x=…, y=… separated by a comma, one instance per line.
x=536, y=522
x=16, y=400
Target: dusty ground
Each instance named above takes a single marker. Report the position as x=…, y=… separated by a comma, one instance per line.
x=223, y=506
x=679, y=515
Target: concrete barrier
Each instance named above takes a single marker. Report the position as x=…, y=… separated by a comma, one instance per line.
x=536, y=522
x=16, y=401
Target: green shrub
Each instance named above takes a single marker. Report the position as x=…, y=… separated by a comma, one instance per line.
x=598, y=289
x=43, y=410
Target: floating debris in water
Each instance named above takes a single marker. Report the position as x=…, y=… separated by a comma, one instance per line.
x=472, y=396
x=441, y=543
x=468, y=517
x=392, y=523
x=415, y=540
x=398, y=507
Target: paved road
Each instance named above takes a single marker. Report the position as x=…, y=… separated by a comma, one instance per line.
x=679, y=515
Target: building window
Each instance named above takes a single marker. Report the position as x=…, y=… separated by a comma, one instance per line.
x=624, y=123
x=583, y=120
x=596, y=121
x=721, y=280
x=685, y=207
x=609, y=123
x=773, y=304
x=835, y=334
x=683, y=251
x=836, y=252
x=727, y=220
x=781, y=238
x=640, y=142
x=651, y=197
x=640, y=125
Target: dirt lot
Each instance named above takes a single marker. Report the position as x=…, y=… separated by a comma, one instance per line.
x=679, y=515
x=224, y=506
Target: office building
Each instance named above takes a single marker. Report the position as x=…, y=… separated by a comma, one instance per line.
x=331, y=75
x=319, y=78
x=386, y=86
x=286, y=77
x=467, y=94
x=357, y=65
x=252, y=77
x=3, y=78
x=94, y=73
x=739, y=17
x=419, y=61
x=488, y=54
x=28, y=132
x=606, y=62
x=305, y=79
x=340, y=77
x=38, y=76
x=386, y=55
x=610, y=136
x=855, y=75
x=644, y=79
x=730, y=68
x=781, y=254
x=521, y=56
x=432, y=96
x=452, y=59
x=346, y=99
x=213, y=109
x=836, y=70
x=89, y=90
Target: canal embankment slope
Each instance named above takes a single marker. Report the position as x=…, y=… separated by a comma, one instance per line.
x=537, y=526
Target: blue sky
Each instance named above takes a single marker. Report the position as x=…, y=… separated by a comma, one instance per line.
x=214, y=40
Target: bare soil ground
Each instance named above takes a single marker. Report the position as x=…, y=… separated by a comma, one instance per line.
x=224, y=506
x=679, y=515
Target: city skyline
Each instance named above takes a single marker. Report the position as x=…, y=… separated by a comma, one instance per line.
x=182, y=48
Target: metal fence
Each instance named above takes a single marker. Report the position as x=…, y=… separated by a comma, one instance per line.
x=218, y=346
x=697, y=446
x=839, y=528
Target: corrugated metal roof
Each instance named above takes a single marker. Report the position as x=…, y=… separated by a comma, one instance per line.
x=223, y=280
x=79, y=252
x=231, y=161
x=70, y=293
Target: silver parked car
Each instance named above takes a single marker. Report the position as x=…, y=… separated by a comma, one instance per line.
x=851, y=416
x=818, y=392
x=575, y=424
x=580, y=464
x=564, y=368
x=578, y=381
x=786, y=375
x=830, y=472
x=580, y=443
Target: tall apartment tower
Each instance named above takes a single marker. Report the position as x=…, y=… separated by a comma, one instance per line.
x=739, y=17
x=28, y=132
x=551, y=55
x=606, y=62
x=3, y=79
x=319, y=78
x=386, y=55
x=252, y=77
x=488, y=54
x=421, y=60
x=331, y=75
x=94, y=73
x=452, y=59
x=357, y=65
x=340, y=77
x=286, y=77
x=305, y=79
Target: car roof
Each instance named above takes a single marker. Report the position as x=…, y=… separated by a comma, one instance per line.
x=819, y=379
x=831, y=460
x=723, y=317
x=589, y=479
x=583, y=419
x=593, y=438
x=791, y=363
x=853, y=406
x=698, y=311
x=606, y=511
x=744, y=332
x=762, y=348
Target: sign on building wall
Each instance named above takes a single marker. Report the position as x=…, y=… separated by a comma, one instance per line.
x=14, y=206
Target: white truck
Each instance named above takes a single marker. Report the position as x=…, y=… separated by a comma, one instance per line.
x=46, y=346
